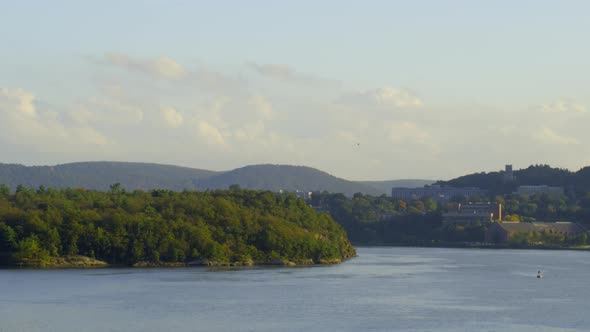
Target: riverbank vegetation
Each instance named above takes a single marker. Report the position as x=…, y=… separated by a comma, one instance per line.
x=371, y=220
x=161, y=226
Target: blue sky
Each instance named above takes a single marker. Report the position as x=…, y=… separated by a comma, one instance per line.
x=431, y=89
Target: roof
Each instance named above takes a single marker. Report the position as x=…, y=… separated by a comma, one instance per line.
x=556, y=227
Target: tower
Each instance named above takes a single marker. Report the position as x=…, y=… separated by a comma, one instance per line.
x=508, y=174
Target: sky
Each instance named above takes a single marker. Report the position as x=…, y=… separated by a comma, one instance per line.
x=364, y=90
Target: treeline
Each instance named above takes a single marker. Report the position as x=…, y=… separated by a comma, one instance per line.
x=385, y=220
x=123, y=227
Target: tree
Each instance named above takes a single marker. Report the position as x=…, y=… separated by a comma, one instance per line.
x=7, y=238
x=4, y=191
x=115, y=188
x=29, y=249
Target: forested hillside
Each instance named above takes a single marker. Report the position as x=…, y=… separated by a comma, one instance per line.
x=143, y=176
x=577, y=183
x=285, y=177
x=99, y=175
x=120, y=227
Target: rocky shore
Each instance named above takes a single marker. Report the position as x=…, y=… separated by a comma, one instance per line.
x=64, y=262
x=213, y=263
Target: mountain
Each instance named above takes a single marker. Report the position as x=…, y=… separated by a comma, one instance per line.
x=100, y=175
x=145, y=176
x=385, y=186
x=284, y=177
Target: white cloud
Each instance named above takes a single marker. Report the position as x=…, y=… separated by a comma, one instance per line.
x=385, y=97
x=394, y=97
x=19, y=116
x=284, y=73
x=262, y=106
x=188, y=79
x=107, y=110
x=210, y=133
x=563, y=106
x=22, y=123
x=549, y=136
x=89, y=136
x=161, y=67
x=252, y=133
x=171, y=117
x=17, y=100
x=280, y=71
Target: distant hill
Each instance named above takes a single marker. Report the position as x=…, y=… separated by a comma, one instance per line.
x=385, y=186
x=145, y=176
x=285, y=177
x=574, y=182
x=100, y=175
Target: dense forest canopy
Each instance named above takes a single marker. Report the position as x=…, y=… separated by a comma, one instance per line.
x=123, y=227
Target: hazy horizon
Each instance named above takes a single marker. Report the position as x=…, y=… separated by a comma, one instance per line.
x=376, y=90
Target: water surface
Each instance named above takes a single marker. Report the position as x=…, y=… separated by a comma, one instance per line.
x=384, y=289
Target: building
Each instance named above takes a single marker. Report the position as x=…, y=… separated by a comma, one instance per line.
x=436, y=192
x=508, y=174
x=473, y=212
x=500, y=232
x=306, y=195
x=542, y=189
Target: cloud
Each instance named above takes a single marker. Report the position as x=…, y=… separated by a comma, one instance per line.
x=262, y=106
x=180, y=78
x=563, y=106
x=162, y=67
x=549, y=136
x=22, y=123
x=171, y=117
x=107, y=110
x=394, y=97
x=17, y=100
x=250, y=132
x=281, y=72
x=284, y=73
x=89, y=136
x=385, y=97
x=210, y=133
x=407, y=132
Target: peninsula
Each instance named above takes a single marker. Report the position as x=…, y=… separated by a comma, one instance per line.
x=54, y=227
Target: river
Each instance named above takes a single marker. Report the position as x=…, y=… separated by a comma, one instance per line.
x=383, y=289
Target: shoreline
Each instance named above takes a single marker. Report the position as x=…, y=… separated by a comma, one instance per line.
x=475, y=246
x=83, y=262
